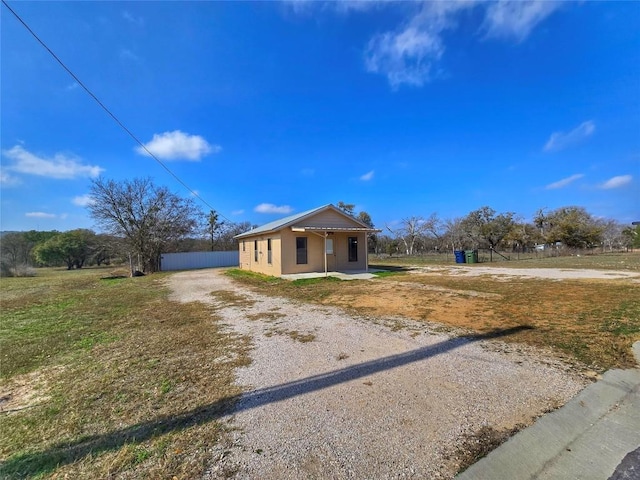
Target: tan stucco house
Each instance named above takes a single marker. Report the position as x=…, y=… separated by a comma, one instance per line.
x=324, y=239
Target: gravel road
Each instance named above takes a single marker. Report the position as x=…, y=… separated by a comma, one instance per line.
x=333, y=395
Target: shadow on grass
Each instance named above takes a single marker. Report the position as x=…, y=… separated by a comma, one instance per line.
x=40, y=462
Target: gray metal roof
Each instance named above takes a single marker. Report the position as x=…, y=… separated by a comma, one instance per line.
x=292, y=219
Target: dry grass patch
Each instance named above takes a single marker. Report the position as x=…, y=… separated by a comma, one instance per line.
x=594, y=322
x=227, y=298
x=135, y=384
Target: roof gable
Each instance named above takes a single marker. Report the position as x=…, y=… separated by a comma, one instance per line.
x=296, y=219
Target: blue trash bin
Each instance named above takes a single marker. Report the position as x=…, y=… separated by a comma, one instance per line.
x=460, y=257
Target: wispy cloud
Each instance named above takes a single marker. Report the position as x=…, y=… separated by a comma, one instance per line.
x=83, y=200
x=60, y=166
x=8, y=180
x=127, y=54
x=411, y=53
x=237, y=212
x=271, y=208
x=561, y=140
x=131, y=18
x=617, y=182
x=307, y=172
x=367, y=176
x=177, y=145
x=40, y=215
x=516, y=19
x=564, y=182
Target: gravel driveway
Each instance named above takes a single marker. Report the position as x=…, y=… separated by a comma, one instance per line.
x=332, y=395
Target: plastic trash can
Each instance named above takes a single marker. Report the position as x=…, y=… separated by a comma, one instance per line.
x=459, y=256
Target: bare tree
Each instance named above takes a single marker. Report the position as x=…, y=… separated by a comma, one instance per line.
x=150, y=218
x=412, y=229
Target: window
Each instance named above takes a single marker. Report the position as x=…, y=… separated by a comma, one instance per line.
x=255, y=250
x=329, y=246
x=353, y=249
x=244, y=247
x=269, y=251
x=301, y=250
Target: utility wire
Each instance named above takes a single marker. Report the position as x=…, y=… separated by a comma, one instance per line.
x=91, y=94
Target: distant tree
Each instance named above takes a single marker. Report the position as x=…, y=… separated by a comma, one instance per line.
x=15, y=250
x=151, y=219
x=522, y=236
x=631, y=237
x=454, y=234
x=611, y=234
x=347, y=208
x=412, y=229
x=483, y=226
x=71, y=248
x=213, y=227
x=573, y=226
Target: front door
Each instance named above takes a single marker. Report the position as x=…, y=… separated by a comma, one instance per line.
x=331, y=255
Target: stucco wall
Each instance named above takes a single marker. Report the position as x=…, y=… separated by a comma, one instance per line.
x=247, y=256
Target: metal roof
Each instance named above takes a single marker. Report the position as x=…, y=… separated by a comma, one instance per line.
x=293, y=219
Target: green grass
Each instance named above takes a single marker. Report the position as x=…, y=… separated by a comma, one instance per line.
x=109, y=378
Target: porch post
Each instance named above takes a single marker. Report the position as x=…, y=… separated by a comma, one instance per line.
x=366, y=251
x=325, y=255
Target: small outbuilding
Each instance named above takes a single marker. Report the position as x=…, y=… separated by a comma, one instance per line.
x=324, y=239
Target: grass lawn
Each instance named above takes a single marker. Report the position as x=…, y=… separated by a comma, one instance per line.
x=593, y=322
x=105, y=377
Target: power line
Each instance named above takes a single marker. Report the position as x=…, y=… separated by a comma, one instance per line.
x=91, y=94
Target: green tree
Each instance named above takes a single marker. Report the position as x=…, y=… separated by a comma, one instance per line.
x=71, y=248
x=573, y=226
x=483, y=226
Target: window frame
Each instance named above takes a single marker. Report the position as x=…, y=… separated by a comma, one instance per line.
x=302, y=251
x=352, y=249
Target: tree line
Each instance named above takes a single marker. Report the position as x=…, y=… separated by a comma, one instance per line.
x=568, y=228
x=140, y=221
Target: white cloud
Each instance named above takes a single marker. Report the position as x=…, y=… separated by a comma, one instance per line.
x=271, y=208
x=411, y=53
x=40, y=215
x=60, y=166
x=127, y=54
x=561, y=140
x=367, y=176
x=237, y=212
x=7, y=180
x=177, y=145
x=516, y=19
x=564, y=182
x=616, y=182
x=83, y=200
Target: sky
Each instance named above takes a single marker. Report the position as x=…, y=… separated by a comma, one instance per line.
x=266, y=109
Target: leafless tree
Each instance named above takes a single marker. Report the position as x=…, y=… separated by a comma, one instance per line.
x=412, y=229
x=150, y=218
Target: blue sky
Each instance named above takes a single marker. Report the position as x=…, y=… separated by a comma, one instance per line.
x=271, y=108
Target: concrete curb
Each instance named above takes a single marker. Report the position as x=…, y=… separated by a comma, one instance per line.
x=586, y=439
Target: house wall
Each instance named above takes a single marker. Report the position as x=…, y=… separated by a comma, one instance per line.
x=247, y=254
x=284, y=248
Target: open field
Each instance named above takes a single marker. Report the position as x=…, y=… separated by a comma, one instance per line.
x=605, y=261
x=107, y=377
x=593, y=322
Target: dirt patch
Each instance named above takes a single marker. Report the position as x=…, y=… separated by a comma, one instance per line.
x=27, y=390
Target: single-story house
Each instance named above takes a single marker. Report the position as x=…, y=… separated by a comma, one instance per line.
x=324, y=239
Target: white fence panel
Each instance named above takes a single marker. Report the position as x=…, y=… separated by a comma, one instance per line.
x=195, y=260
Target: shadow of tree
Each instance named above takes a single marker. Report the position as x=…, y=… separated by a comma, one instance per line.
x=68, y=452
